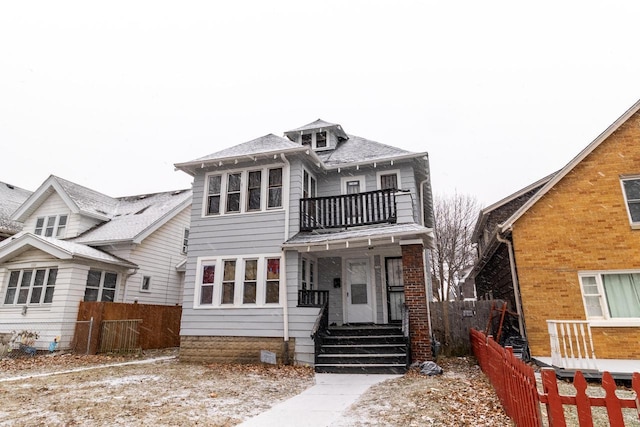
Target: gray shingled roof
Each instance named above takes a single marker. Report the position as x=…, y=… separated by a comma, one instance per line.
x=359, y=150
x=88, y=200
x=313, y=125
x=71, y=248
x=133, y=215
x=263, y=145
x=11, y=197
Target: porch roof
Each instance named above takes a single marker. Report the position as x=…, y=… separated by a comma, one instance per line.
x=384, y=233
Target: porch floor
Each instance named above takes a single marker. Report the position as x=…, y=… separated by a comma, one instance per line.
x=620, y=369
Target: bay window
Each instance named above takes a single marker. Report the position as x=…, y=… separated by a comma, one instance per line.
x=101, y=286
x=31, y=286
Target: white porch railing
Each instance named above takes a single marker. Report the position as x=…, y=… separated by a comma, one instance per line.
x=571, y=344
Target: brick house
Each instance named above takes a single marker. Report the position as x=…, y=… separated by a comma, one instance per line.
x=300, y=239
x=566, y=252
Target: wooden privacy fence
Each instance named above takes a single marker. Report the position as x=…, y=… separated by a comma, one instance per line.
x=120, y=336
x=158, y=325
x=451, y=322
x=515, y=384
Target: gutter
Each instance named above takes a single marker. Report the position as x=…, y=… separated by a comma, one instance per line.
x=514, y=279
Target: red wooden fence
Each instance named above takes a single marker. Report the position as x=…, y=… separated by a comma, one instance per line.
x=515, y=384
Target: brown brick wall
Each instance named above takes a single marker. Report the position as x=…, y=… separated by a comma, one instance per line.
x=416, y=299
x=581, y=224
x=231, y=349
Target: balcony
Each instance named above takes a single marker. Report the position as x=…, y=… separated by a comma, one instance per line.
x=348, y=210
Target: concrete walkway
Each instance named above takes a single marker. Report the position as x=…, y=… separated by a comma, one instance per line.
x=320, y=405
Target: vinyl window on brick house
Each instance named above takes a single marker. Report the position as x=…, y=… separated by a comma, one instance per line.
x=631, y=190
x=611, y=295
x=31, y=286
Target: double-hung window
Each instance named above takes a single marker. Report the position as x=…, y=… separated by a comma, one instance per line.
x=611, y=295
x=251, y=281
x=243, y=191
x=631, y=190
x=31, y=286
x=51, y=226
x=101, y=286
x=389, y=180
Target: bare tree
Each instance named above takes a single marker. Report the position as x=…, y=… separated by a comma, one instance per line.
x=454, y=216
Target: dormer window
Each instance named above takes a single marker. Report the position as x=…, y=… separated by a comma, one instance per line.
x=321, y=139
x=53, y=226
x=307, y=139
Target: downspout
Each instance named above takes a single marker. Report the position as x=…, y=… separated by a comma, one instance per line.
x=283, y=267
x=126, y=283
x=514, y=279
x=425, y=262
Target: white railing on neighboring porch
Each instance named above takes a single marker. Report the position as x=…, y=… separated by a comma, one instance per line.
x=571, y=344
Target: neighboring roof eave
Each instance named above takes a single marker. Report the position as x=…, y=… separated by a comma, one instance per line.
x=24, y=241
x=162, y=221
x=39, y=196
x=505, y=226
x=482, y=216
x=372, y=161
x=190, y=166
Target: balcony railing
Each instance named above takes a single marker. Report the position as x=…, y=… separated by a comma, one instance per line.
x=348, y=210
x=308, y=298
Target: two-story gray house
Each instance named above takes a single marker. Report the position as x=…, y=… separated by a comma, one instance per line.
x=297, y=240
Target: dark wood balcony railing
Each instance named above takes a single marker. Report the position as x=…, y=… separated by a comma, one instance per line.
x=308, y=298
x=348, y=210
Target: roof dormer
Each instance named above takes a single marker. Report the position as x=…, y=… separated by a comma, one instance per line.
x=318, y=135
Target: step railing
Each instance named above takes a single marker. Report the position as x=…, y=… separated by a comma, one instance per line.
x=571, y=344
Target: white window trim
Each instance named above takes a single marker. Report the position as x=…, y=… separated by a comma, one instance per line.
x=218, y=261
x=345, y=179
x=5, y=286
x=606, y=321
x=142, y=289
x=56, y=225
x=101, y=287
x=313, y=189
x=634, y=225
x=244, y=178
x=185, y=241
x=388, y=172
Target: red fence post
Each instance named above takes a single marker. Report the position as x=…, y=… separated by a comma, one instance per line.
x=555, y=411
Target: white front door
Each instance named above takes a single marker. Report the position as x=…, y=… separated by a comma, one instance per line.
x=359, y=295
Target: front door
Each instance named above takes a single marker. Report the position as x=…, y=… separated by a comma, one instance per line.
x=395, y=288
x=359, y=296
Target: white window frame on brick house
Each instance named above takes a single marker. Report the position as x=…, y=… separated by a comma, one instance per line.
x=380, y=174
x=597, y=296
x=51, y=226
x=222, y=195
x=31, y=286
x=631, y=191
x=238, y=281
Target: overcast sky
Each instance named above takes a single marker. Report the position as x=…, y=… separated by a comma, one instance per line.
x=110, y=95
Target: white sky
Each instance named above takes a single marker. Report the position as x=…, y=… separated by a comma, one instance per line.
x=110, y=95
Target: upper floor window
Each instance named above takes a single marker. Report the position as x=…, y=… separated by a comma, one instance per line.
x=307, y=139
x=321, y=139
x=51, y=226
x=352, y=184
x=614, y=295
x=31, y=286
x=388, y=180
x=244, y=191
x=309, y=185
x=101, y=286
x=631, y=187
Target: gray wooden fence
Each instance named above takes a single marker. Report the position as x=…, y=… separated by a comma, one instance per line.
x=462, y=316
